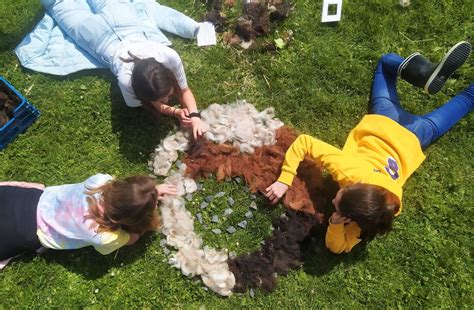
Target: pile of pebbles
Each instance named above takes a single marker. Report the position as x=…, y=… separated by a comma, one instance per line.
x=216, y=218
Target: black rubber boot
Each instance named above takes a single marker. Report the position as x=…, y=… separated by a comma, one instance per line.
x=420, y=72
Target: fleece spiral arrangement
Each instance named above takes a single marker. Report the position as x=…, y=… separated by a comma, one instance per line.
x=256, y=149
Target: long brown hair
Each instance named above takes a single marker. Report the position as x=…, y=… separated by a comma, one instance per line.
x=152, y=80
x=129, y=204
x=372, y=207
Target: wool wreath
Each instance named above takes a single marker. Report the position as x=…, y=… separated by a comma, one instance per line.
x=256, y=154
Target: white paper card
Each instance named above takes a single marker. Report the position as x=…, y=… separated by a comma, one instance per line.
x=325, y=18
x=206, y=34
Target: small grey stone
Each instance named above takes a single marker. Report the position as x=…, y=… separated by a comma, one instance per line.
x=242, y=224
x=199, y=217
x=249, y=214
x=228, y=211
x=166, y=251
x=163, y=242
x=252, y=293
x=219, y=194
x=253, y=205
x=230, y=201
x=253, y=197
x=246, y=189
x=178, y=163
x=216, y=231
x=231, y=229
x=189, y=196
x=199, y=186
x=208, y=198
x=204, y=205
x=238, y=180
x=215, y=219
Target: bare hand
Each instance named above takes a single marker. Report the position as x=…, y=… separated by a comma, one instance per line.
x=183, y=118
x=275, y=191
x=336, y=218
x=197, y=125
x=166, y=189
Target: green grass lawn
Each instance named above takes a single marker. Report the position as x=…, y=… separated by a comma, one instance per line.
x=319, y=85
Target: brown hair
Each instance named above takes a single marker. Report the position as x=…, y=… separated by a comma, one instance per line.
x=372, y=207
x=129, y=204
x=152, y=80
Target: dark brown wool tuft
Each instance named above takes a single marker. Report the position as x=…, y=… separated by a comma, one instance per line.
x=279, y=254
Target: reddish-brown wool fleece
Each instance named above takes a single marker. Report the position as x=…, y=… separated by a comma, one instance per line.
x=259, y=169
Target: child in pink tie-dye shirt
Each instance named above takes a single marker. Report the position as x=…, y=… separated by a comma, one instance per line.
x=100, y=212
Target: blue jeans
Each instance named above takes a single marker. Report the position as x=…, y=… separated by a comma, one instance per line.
x=428, y=127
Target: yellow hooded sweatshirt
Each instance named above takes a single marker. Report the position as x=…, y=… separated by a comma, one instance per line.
x=378, y=151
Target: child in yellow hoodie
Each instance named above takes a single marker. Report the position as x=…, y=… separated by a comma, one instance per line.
x=382, y=151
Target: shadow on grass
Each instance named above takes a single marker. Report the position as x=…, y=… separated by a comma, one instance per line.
x=8, y=41
x=90, y=264
x=138, y=132
x=318, y=260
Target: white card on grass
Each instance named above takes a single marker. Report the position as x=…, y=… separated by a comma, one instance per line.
x=325, y=17
x=206, y=34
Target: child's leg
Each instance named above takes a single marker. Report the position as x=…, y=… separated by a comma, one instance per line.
x=420, y=72
x=384, y=98
x=18, y=220
x=88, y=30
x=435, y=124
x=172, y=21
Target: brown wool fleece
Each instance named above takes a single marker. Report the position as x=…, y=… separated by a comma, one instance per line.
x=259, y=170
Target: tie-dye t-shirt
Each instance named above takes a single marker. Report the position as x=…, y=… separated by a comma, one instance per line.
x=61, y=223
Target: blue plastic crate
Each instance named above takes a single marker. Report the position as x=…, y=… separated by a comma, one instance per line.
x=24, y=114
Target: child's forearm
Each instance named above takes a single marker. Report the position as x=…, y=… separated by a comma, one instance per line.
x=342, y=238
x=169, y=110
x=188, y=100
x=23, y=184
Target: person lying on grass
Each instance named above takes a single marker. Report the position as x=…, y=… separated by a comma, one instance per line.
x=101, y=212
x=126, y=37
x=382, y=151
